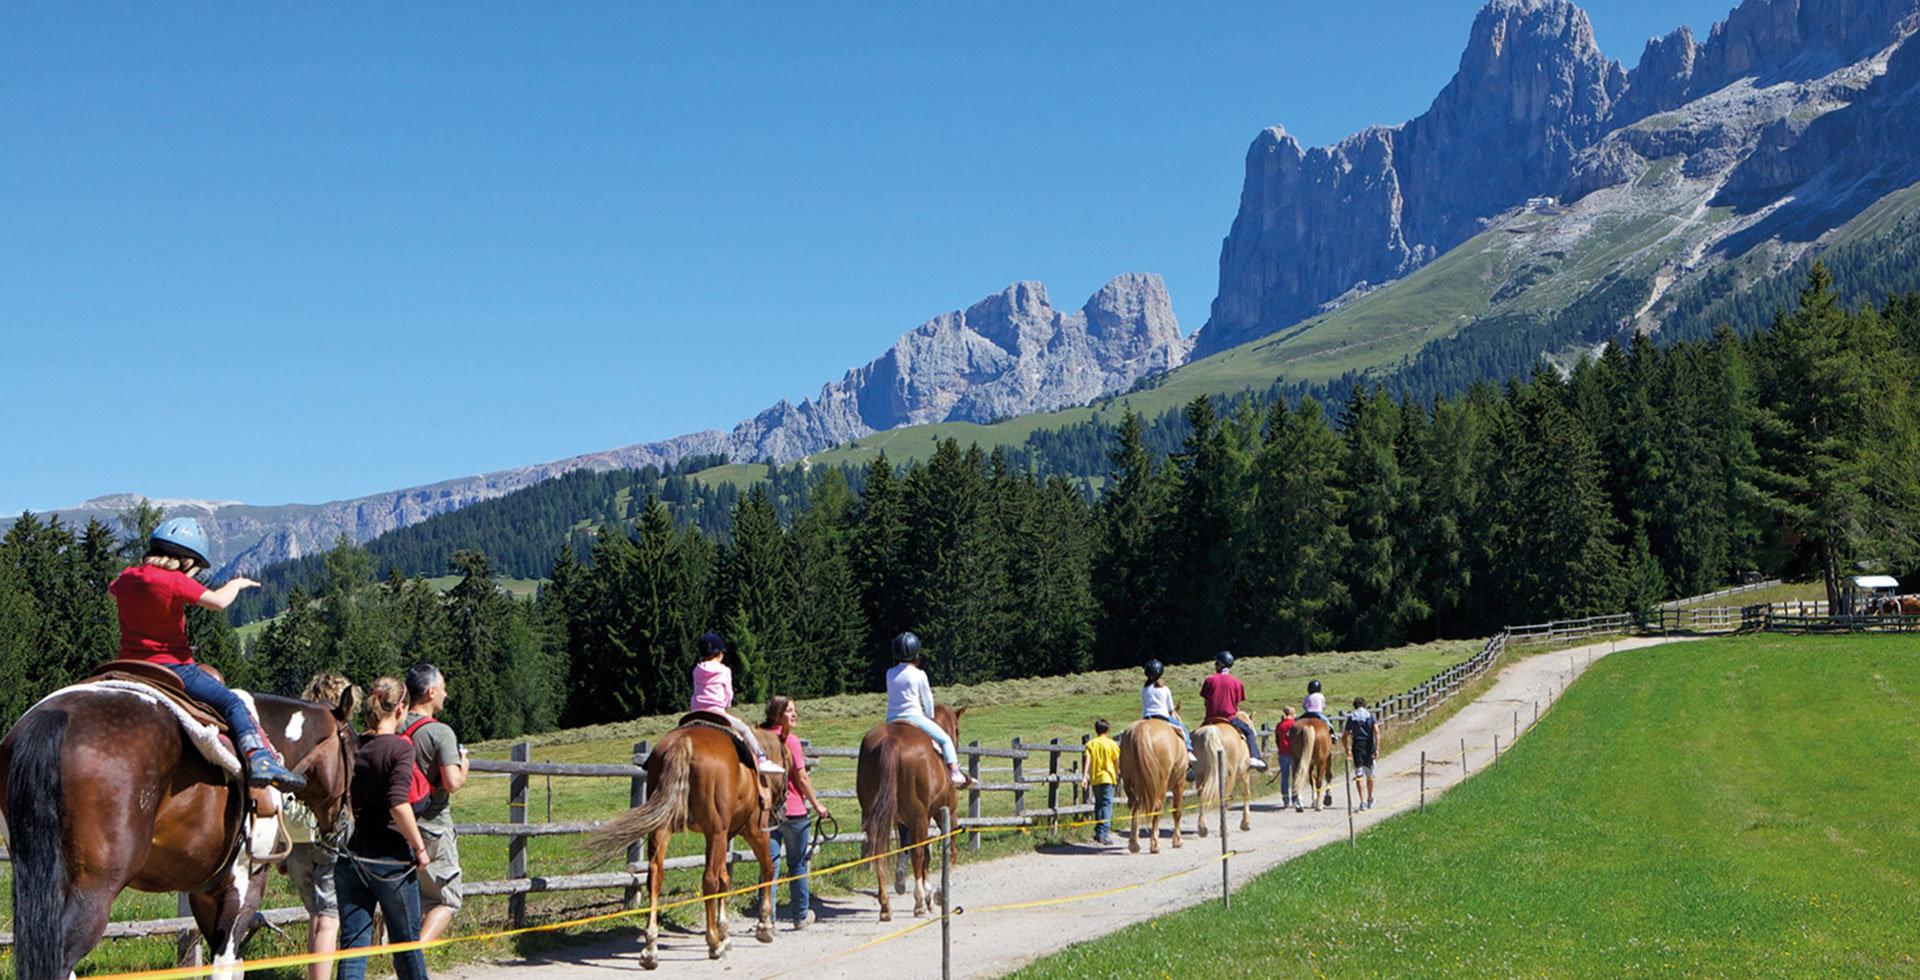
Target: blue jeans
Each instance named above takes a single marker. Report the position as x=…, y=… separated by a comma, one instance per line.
x=396, y=893
x=1253, y=738
x=790, y=838
x=203, y=688
x=1286, y=775
x=935, y=732
x=1103, y=813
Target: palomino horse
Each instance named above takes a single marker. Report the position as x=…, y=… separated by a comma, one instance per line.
x=1221, y=736
x=1313, y=761
x=698, y=779
x=903, y=783
x=103, y=791
x=1153, y=763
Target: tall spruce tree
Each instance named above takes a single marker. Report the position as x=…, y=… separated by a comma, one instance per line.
x=1127, y=577
x=1300, y=541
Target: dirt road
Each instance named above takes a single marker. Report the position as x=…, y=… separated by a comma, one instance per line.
x=990, y=942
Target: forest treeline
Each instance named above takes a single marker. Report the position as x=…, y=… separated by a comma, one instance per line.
x=1646, y=472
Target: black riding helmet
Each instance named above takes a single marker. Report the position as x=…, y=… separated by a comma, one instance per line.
x=711, y=643
x=906, y=648
x=1154, y=669
x=1313, y=687
x=1223, y=659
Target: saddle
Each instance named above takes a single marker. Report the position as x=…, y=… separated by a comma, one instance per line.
x=709, y=719
x=263, y=802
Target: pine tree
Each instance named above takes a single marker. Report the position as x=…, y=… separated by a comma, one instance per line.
x=880, y=566
x=1299, y=535
x=759, y=593
x=1379, y=500
x=1127, y=578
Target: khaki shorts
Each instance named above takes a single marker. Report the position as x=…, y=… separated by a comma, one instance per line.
x=311, y=868
x=440, y=886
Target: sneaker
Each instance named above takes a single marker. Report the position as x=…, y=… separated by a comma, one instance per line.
x=959, y=778
x=1259, y=765
x=770, y=767
x=804, y=921
x=264, y=770
x=1191, y=759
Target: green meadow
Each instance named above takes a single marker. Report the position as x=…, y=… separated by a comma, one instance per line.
x=1740, y=807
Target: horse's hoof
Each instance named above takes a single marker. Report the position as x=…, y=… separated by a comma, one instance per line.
x=1202, y=831
x=764, y=933
x=1133, y=846
x=1245, y=826
x=649, y=963
x=716, y=952
x=886, y=917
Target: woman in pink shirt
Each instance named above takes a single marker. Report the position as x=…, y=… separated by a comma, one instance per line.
x=713, y=693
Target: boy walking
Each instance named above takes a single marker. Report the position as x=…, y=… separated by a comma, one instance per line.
x=1362, y=739
x=1100, y=773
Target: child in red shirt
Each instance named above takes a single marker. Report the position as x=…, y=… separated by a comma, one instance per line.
x=153, y=597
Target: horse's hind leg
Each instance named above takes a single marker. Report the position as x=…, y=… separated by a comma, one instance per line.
x=1246, y=799
x=880, y=883
x=922, y=888
x=656, y=866
x=714, y=883
x=761, y=850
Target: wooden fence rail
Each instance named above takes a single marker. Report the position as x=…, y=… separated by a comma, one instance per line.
x=1407, y=707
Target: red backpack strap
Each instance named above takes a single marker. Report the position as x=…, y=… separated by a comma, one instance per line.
x=416, y=726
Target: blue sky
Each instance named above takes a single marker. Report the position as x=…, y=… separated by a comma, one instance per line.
x=297, y=253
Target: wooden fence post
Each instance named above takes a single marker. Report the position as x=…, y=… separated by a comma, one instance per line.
x=1019, y=780
x=517, y=844
x=636, y=798
x=973, y=794
x=186, y=946
x=1053, y=787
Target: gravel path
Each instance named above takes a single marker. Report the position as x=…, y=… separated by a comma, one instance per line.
x=989, y=942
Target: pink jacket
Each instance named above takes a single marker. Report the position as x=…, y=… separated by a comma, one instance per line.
x=712, y=686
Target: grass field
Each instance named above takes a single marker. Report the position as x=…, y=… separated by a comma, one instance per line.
x=1736, y=808
x=1035, y=709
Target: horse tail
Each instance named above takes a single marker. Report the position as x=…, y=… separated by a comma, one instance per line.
x=40, y=887
x=881, y=816
x=1206, y=742
x=666, y=805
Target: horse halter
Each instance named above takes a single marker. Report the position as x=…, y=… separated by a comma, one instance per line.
x=334, y=839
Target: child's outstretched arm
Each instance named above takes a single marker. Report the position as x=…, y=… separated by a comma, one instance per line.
x=219, y=599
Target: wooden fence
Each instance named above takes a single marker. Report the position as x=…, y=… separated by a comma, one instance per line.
x=1025, y=783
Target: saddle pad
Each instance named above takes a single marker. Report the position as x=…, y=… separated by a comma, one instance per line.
x=203, y=736
x=163, y=681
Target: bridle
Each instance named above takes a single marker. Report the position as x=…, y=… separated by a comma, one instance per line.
x=341, y=736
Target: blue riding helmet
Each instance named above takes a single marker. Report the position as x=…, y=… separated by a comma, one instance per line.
x=180, y=537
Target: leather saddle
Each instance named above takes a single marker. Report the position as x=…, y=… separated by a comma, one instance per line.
x=708, y=719
x=167, y=684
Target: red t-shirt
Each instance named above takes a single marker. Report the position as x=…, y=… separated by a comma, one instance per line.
x=1284, y=739
x=1222, y=694
x=153, y=613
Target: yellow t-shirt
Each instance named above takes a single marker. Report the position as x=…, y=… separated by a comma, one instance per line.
x=1103, y=761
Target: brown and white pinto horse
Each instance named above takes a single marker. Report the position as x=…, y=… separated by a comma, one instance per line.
x=102, y=791
x=902, y=782
x=697, y=780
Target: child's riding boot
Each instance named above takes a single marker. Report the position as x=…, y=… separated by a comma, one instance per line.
x=264, y=770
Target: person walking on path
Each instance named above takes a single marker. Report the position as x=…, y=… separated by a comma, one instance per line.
x=151, y=599
x=910, y=699
x=439, y=754
x=1100, y=773
x=790, y=835
x=379, y=871
x=1283, y=747
x=1363, y=739
x=713, y=693
x=1223, y=694
x=311, y=859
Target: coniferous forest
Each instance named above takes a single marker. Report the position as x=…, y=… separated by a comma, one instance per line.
x=1269, y=526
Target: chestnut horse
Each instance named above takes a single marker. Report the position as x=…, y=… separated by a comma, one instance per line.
x=1153, y=763
x=1899, y=605
x=698, y=780
x=1313, y=761
x=903, y=783
x=1220, y=736
x=103, y=792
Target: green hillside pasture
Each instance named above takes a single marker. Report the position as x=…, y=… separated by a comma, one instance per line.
x=1738, y=807
x=1035, y=709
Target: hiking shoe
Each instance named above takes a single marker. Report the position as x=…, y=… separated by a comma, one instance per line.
x=1259, y=765
x=804, y=921
x=770, y=767
x=264, y=770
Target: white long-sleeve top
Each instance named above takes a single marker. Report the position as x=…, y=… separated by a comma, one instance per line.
x=1156, y=699
x=908, y=693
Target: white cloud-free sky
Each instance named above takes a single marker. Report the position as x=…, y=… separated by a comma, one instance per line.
x=282, y=253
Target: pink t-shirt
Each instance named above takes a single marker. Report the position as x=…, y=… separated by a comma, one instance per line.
x=712, y=686
x=796, y=806
x=153, y=605
x=1316, y=703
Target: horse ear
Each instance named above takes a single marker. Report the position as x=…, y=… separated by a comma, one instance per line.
x=957, y=712
x=344, y=709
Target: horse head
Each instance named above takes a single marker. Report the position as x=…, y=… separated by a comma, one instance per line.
x=949, y=720
x=318, y=742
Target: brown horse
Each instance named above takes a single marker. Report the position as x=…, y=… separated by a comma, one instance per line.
x=699, y=780
x=103, y=792
x=1153, y=763
x=902, y=782
x=1220, y=736
x=1313, y=761
x=1899, y=605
